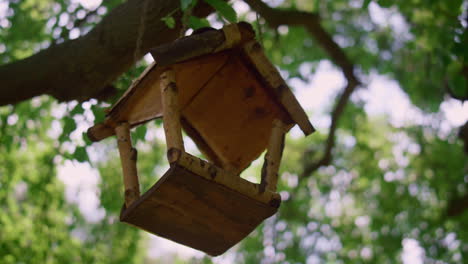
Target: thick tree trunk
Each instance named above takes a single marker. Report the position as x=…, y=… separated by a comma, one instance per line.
x=463, y=135
x=80, y=69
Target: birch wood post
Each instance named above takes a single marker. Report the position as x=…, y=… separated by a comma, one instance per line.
x=273, y=156
x=171, y=115
x=128, y=158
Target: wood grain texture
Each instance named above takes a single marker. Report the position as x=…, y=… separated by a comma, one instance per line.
x=128, y=158
x=200, y=213
x=228, y=99
x=219, y=175
x=200, y=142
x=273, y=156
x=233, y=113
x=142, y=101
x=188, y=48
x=272, y=78
x=209, y=42
x=171, y=110
x=232, y=35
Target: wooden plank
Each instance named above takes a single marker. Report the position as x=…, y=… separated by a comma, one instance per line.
x=213, y=173
x=207, y=42
x=142, y=80
x=142, y=102
x=99, y=132
x=188, y=47
x=200, y=142
x=234, y=115
x=192, y=210
x=255, y=56
x=190, y=76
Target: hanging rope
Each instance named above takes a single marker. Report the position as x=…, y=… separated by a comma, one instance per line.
x=141, y=31
x=185, y=20
x=259, y=28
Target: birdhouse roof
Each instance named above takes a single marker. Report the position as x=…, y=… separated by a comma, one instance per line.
x=229, y=94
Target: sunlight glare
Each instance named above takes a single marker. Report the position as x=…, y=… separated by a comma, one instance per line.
x=90, y=4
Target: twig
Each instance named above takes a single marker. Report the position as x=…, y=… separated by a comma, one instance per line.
x=330, y=143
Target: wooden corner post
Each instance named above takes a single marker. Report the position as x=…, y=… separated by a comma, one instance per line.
x=171, y=115
x=273, y=156
x=128, y=157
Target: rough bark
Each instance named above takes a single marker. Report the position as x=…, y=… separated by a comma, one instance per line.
x=84, y=68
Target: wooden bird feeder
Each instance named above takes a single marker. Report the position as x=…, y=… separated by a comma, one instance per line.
x=221, y=89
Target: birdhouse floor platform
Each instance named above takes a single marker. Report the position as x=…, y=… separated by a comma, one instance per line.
x=193, y=205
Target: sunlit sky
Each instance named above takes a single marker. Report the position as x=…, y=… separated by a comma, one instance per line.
x=382, y=96
x=89, y=4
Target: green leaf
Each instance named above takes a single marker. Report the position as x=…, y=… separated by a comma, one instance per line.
x=365, y=4
x=86, y=139
x=69, y=125
x=80, y=154
x=184, y=4
x=140, y=133
x=196, y=23
x=7, y=140
x=99, y=114
x=458, y=86
x=169, y=20
x=386, y=3
x=224, y=9
x=78, y=109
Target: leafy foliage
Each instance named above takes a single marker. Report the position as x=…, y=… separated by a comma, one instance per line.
x=224, y=9
x=388, y=185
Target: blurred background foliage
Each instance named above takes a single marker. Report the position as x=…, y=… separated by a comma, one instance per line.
x=389, y=187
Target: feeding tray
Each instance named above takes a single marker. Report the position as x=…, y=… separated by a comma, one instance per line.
x=221, y=89
x=189, y=206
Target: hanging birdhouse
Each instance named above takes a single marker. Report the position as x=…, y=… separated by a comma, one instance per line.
x=220, y=88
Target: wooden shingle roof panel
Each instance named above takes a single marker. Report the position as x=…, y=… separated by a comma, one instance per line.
x=141, y=102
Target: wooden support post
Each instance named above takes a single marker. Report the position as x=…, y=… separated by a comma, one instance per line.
x=128, y=157
x=273, y=157
x=171, y=115
x=231, y=169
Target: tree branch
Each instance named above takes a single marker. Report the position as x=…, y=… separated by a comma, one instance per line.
x=330, y=143
x=311, y=22
x=79, y=69
x=457, y=206
x=463, y=135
